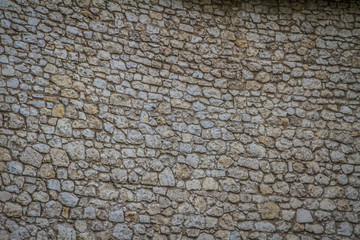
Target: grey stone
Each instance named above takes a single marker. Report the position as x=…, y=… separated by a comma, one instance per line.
x=76, y=150
x=121, y=231
x=345, y=229
x=303, y=216
x=32, y=157
x=15, y=167
x=256, y=150
x=16, y=121
x=166, y=178
x=63, y=127
x=65, y=232
x=68, y=199
x=116, y=214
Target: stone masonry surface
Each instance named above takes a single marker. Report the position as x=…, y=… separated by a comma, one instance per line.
x=171, y=119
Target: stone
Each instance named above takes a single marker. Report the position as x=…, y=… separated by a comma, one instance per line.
x=303, y=216
x=153, y=141
x=120, y=100
x=210, y=184
x=112, y=47
x=345, y=229
x=75, y=150
x=65, y=232
x=62, y=80
x=68, y=199
x=121, y=231
x=5, y=196
x=166, y=178
x=119, y=175
x=15, y=167
x=16, y=121
x=116, y=214
x=52, y=209
x=12, y=209
x=107, y=191
x=20, y=233
x=31, y=157
x=270, y=210
x=59, y=157
x=8, y=70
x=256, y=150
x=46, y=171
x=64, y=128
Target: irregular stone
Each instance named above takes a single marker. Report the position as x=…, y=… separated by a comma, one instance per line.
x=166, y=178
x=32, y=157
x=269, y=210
x=303, y=216
x=59, y=157
x=65, y=232
x=68, y=199
x=16, y=121
x=116, y=214
x=119, y=175
x=76, y=150
x=210, y=184
x=62, y=80
x=12, y=209
x=255, y=150
x=121, y=231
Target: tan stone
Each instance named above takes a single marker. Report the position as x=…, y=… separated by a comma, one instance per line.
x=50, y=68
x=200, y=204
x=65, y=212
x=210, y=184
x=150, y=178
x=156, y=15
x=5, y=155
x=186, y=137
x=182, y=172
x=120, y=100
x=241, y=43
x=46, y=171
x=226, y=222
x=69, y=93
x=91, y=109
x=270, y=210
x=178, y=103
x=225, y=161
x=164, y=108
x=62, y=80
x=152, y=80
x=12, y=209
x=59, y=157
x=58, y=111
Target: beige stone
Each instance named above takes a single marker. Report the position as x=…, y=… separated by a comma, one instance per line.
x=269, y=210
x=210, y=184
x=62, y=80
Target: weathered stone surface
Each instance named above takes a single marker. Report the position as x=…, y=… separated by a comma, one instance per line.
x=166, y=178
x=65, y=232
x=270, y=210
x=12, y=209
x=76, y=150
x=68, y=199
x=32, y=157
x=116, y=214
x=172, y=119
x=59, y=157
x=16, y=121
x=121, y=231
x=303, y=216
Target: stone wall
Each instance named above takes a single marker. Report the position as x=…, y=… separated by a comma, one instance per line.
x=161, y=119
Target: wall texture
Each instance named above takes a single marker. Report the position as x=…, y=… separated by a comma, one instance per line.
x=161, y=119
